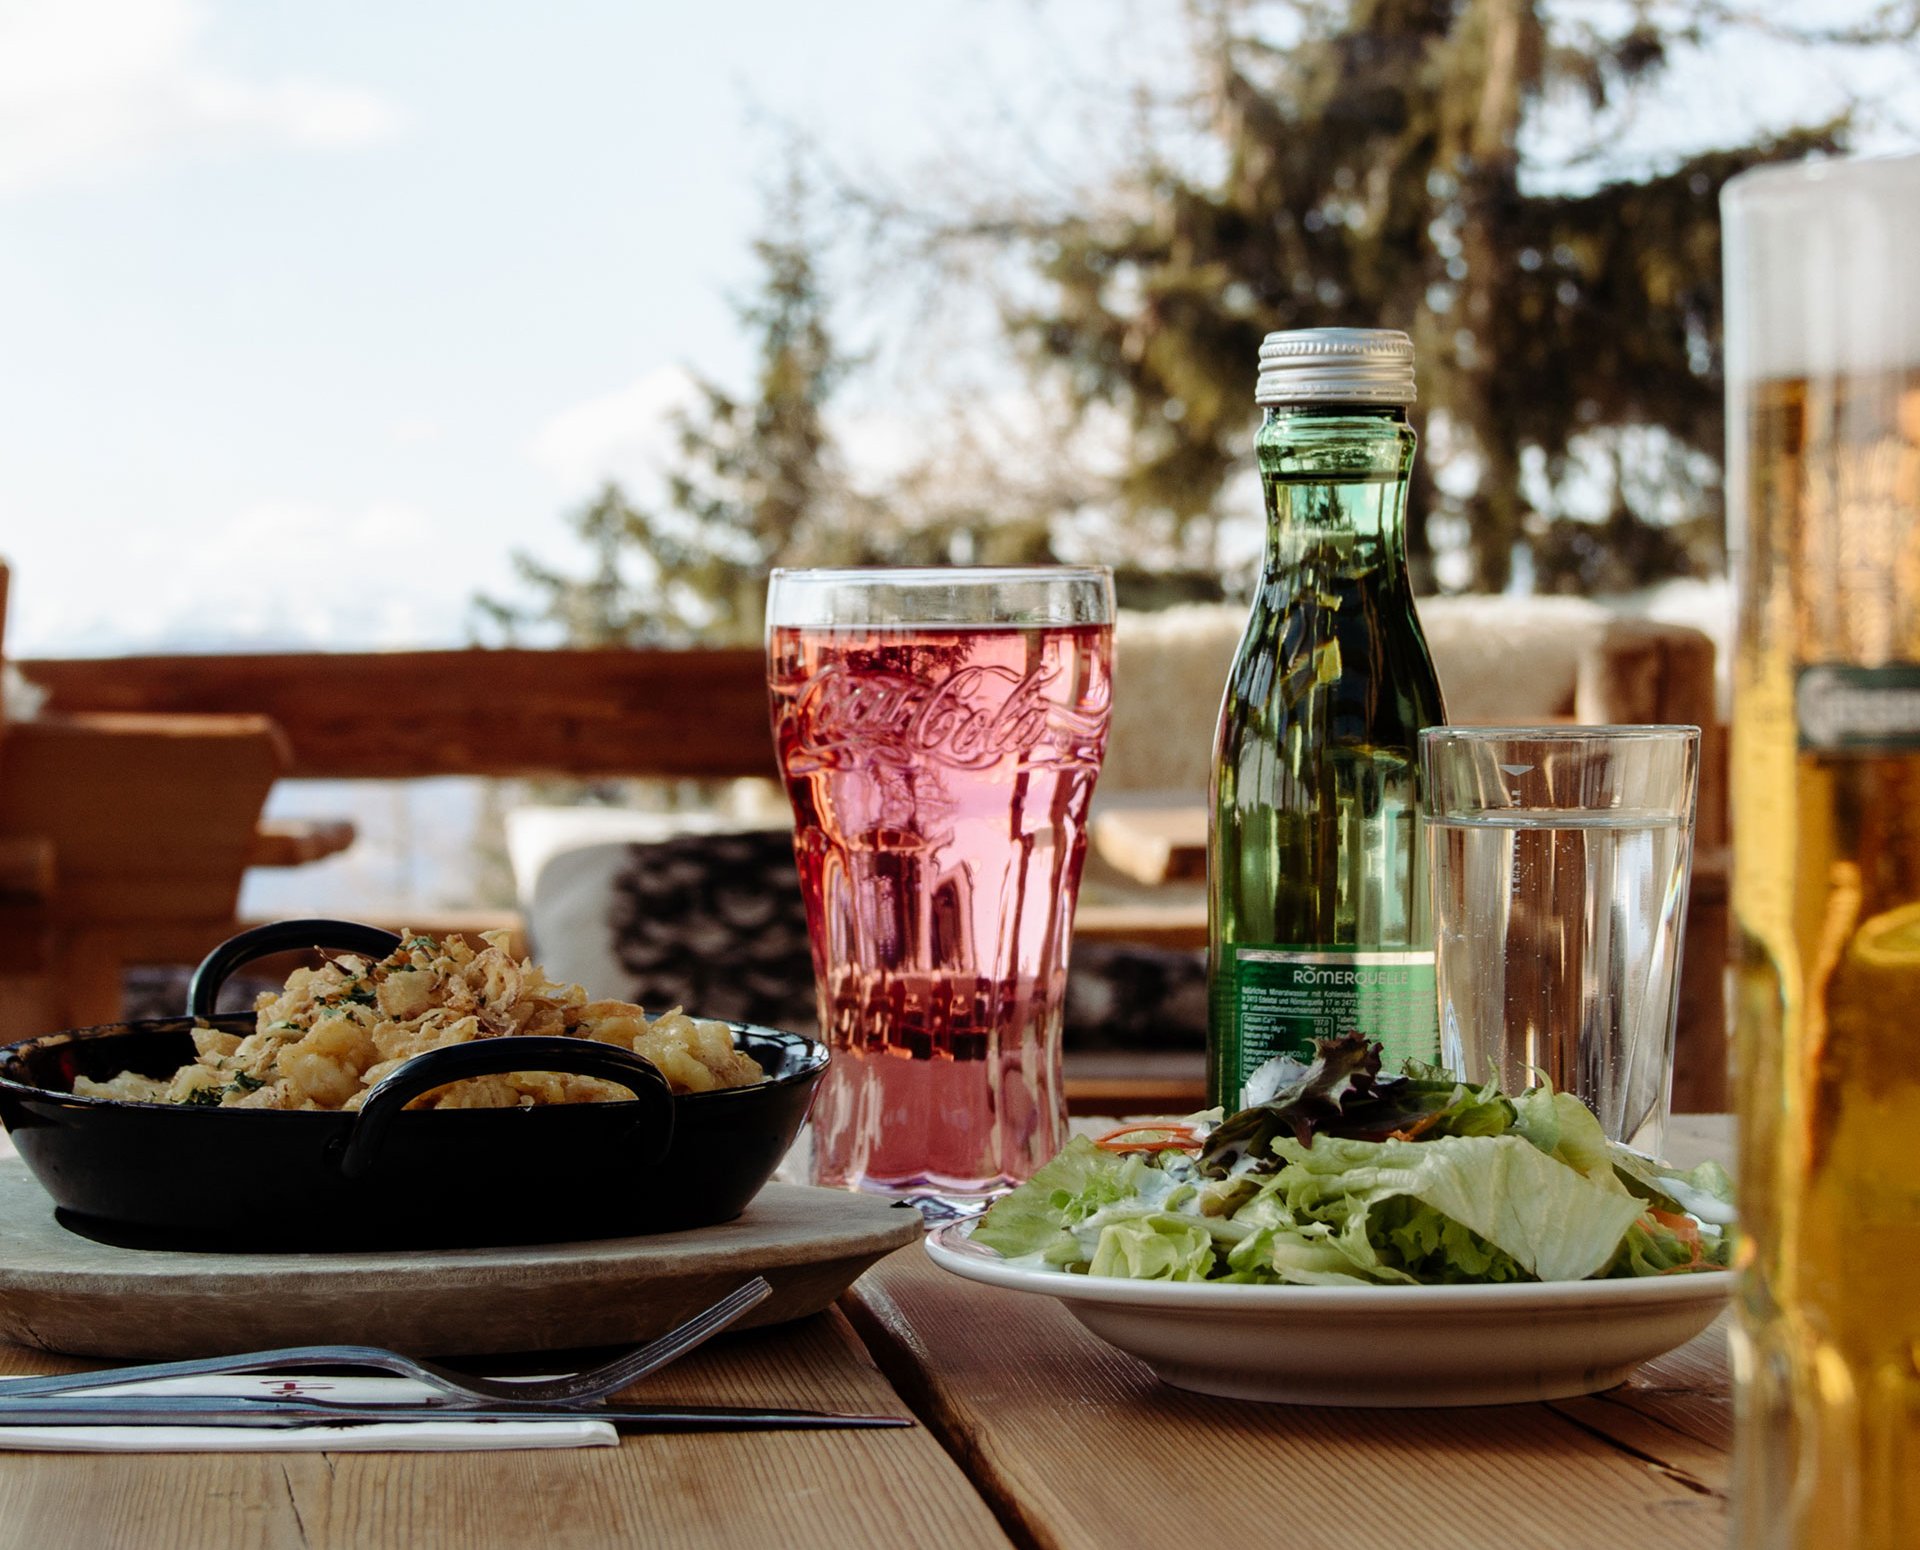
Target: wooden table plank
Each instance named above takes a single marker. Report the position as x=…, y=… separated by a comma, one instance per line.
x=1154, y=1095
x=1127, y=1082
x=832, y=1490
x=1080, y=1445
x=290, y=842
x=1676, y=1415
x=408, y=715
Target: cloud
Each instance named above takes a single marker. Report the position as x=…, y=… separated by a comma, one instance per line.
x=372, y=575
x=91, y=86
x=626, y=435
x=274, y=575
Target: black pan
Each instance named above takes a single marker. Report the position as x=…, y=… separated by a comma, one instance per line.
x=216, y=1178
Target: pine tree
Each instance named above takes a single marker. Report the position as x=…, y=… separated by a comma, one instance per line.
x=756, y=483
x=1368, y=164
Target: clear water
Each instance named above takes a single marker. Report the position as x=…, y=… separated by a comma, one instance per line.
x=1558, y=952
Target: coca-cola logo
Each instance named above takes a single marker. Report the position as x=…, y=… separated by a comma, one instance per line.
x=973, y=717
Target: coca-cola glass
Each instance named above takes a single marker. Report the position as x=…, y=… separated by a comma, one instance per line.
x=939, y=732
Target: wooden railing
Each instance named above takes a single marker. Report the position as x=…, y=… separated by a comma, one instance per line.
x=406, y=715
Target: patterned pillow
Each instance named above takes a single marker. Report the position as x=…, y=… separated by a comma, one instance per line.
x=1123, y=997
x=715, y=922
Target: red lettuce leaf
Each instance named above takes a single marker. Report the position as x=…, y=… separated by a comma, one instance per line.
x=1343, y=1092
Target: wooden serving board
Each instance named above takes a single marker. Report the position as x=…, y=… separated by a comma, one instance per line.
x=60, y=1291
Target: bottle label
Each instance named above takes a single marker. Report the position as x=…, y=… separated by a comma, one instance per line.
x=1286, y=997
x=1866, y=710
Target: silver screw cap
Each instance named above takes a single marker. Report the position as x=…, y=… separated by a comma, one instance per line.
x=1336, y=366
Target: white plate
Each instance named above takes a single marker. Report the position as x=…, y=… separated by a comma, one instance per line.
x=1371, y=1345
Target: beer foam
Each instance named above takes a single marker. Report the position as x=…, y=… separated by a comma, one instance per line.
x=1819, y=267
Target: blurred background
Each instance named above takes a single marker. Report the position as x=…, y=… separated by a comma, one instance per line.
x=382, y=327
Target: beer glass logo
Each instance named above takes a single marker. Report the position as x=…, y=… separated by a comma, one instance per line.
x=1843, y=709
x=972, y=718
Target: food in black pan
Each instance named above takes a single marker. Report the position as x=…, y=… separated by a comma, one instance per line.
x=375, y=1170
x=326, y=1039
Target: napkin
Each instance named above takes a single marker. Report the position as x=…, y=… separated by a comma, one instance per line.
x=448, y=1436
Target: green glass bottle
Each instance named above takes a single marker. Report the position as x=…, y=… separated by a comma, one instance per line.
x=1318, y=917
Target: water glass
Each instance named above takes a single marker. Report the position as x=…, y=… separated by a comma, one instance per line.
x=939, y=732
x=1559, y=865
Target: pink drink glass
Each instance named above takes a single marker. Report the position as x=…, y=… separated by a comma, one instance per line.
x=939, y=732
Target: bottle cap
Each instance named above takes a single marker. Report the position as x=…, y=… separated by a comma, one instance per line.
x=1336, y=366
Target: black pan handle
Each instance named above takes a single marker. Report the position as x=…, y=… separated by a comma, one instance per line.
x=282, y=936
x=526, y=1052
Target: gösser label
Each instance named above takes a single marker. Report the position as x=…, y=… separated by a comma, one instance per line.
x=1840, y=709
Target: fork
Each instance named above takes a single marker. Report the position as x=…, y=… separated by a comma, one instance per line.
x=938, y=1210
x=463, y=1390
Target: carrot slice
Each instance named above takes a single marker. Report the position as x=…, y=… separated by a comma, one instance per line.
x=1174, y=1136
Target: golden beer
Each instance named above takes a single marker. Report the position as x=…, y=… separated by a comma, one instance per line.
x=1825, y=459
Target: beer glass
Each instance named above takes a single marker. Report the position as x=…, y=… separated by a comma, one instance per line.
x=939, y=732
x=1823, y=385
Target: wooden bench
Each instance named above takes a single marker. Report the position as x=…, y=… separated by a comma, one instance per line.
x=123, y=838
x=146, y=824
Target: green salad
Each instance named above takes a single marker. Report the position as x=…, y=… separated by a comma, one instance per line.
x=1351, y=1175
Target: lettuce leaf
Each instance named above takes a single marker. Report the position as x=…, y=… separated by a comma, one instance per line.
x=1705, y=1192
x=1435, y=1248
x=1306, y=1255
x=1563, y=1127
x=1039, y=1215
x=1548, y=1219
x=1154, y=1248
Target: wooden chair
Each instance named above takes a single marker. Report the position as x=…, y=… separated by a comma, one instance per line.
x=129, y=835
x=26, y=885
x=151, y=821
x=408, y=715
x=417, y=714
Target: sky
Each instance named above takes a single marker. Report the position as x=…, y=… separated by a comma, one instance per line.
x=310, y=315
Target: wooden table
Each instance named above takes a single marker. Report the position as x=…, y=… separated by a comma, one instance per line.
x=1034, y=1434
x=1077, y=1446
